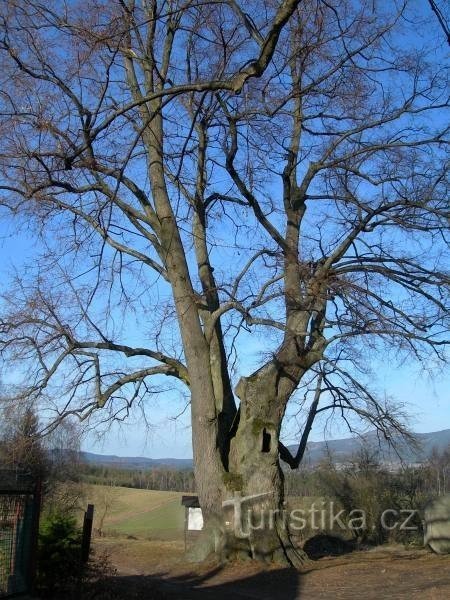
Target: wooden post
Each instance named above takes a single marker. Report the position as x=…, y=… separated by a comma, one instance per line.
x=36, y=513
x=185, y=527
x=87, y=532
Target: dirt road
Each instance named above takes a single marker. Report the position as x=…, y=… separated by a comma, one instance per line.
x=157, y=570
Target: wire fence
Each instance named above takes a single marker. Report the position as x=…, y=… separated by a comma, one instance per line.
x=18, y=531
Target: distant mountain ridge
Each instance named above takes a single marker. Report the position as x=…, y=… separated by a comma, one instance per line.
x=340, y=451
x=135, y=462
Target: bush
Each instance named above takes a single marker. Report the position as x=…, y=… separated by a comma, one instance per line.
x=367, y=487
x=61, y=573
x=59, y=555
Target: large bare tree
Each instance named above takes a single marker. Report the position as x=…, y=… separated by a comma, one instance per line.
x=201, y=175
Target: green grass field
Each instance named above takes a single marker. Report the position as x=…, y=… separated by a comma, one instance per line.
x=148, y=514
x=141, y=513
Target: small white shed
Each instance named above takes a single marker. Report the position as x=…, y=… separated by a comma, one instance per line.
x=193, y=516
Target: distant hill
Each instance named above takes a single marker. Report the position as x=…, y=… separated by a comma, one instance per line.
x=343, y=449
x=340, y=450
x=135, y=462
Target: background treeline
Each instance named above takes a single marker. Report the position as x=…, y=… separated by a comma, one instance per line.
x=432, y=478
x=143, y=479
x=365, y=469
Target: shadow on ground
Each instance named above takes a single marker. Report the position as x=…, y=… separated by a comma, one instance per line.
x=266, y=585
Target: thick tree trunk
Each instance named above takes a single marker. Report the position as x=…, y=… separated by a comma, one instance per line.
x=251, y=521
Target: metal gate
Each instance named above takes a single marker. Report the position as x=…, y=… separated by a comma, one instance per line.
x=19, y=515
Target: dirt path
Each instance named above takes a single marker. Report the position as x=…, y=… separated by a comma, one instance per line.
x=160, y=568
